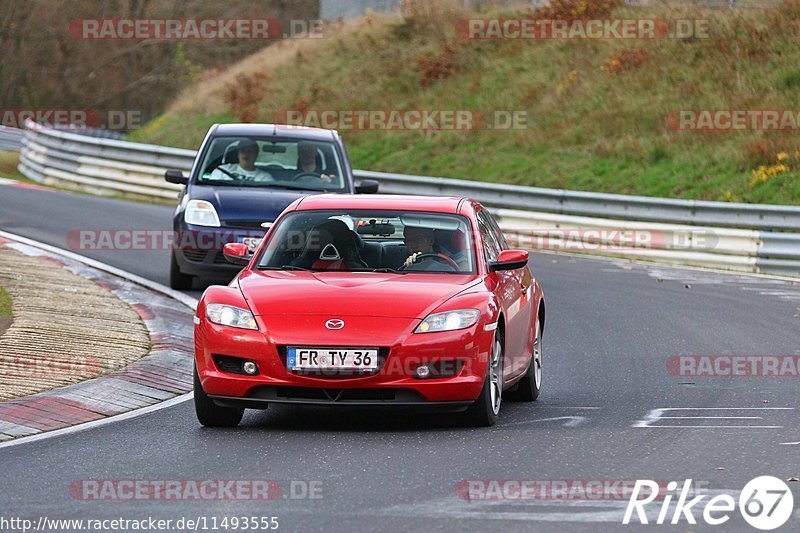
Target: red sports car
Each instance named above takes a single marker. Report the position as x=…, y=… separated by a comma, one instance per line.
x=372, y=301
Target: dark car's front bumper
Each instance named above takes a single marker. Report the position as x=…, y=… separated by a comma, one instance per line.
x=198, y=250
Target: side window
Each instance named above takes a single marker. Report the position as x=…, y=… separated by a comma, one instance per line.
x=490, y=244
x=498, y=233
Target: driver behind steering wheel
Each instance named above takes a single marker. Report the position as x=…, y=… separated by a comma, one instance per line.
x=307, y=162
x=246, y=169
x=419, y=243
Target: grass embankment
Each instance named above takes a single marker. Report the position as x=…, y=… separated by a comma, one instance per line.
x=596, y=109
x=6, y=305
x=8, y=166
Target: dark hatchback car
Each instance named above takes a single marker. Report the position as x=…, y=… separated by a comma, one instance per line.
x=242, y=179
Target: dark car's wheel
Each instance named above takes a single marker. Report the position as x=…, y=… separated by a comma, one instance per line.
x=210, y=414
x=530, y=385
x=483, y=412
x=177, y=279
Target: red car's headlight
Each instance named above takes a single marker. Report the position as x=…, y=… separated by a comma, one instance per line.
x=448, y=321
x=228, y=315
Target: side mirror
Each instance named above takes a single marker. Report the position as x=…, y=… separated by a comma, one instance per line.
x=236, y=253
x=509, y=260
x=366, y=187
x=176, y=176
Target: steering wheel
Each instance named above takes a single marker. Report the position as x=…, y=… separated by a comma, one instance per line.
x=234, y=176
x=306, y=176
x=436, y=257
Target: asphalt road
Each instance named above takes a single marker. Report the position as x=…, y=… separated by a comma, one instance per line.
x=611, y=328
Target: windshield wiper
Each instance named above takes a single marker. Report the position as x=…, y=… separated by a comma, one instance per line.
x=285, y=267
x=269, y=185
x=387, y=270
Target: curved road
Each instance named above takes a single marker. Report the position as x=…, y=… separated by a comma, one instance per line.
x=611, y=329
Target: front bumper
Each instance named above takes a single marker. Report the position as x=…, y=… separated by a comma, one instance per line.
x=198, y=250
x=463, y=353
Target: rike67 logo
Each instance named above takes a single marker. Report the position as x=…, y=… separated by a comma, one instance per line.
x=765, y=503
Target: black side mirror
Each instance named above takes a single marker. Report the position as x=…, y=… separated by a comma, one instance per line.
x=176, y=176
x=366, y=187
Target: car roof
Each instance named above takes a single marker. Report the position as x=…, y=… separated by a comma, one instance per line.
x=388, y=202
x=269, y=130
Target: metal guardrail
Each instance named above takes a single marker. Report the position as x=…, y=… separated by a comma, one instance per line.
x=750, y=237
x=10, y=139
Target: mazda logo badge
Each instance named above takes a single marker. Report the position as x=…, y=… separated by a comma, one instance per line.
x=334, y=323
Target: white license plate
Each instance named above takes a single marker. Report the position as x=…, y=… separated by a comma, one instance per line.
x=251, y=242
x=299, y=358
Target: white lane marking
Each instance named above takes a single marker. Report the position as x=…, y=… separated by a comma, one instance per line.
x=6, y=181
x=572, y=421
x=563, y=407
x=789, y=443
x=654, y=415
x=157, y=287
x=101, y=422
x=715, y=417
x=541, y=510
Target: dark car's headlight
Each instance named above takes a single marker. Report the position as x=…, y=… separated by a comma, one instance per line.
x=228, y=315
x=201, y=213
x=448, y=321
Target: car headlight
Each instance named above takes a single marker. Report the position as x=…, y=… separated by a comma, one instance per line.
x=448, y=321
x=201, y=213
x=228, y=315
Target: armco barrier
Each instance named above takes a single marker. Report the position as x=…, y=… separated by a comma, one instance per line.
x=10, y=139
x=749, y=237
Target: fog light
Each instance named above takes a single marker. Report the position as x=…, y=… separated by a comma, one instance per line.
x=422, y=371
x=250, y=367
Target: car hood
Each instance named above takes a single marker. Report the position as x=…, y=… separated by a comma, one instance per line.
x=349, y=293
x=235, y=204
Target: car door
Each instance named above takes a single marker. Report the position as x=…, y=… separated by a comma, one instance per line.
x=506, y=286
x=520, y=331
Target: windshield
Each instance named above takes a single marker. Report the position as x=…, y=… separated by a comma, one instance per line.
x=389, y=241
x=271, y=162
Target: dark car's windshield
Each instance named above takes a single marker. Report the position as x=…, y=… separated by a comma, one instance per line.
x=272, y=163
x=364, y=240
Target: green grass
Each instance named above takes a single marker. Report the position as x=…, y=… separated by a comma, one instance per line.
x=5, y=303
x=587, y=129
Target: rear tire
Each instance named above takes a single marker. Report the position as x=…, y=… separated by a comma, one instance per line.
x=210, y=414
x=483, y=412
x=177, y=279
x=529, y=387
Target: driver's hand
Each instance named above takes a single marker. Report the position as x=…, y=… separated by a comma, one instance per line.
x=327, y=178
x=411, y=259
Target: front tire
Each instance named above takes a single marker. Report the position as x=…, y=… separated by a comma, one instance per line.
x=210, y=414
x=177, y=279
x=483, y=412
x=530, y=385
